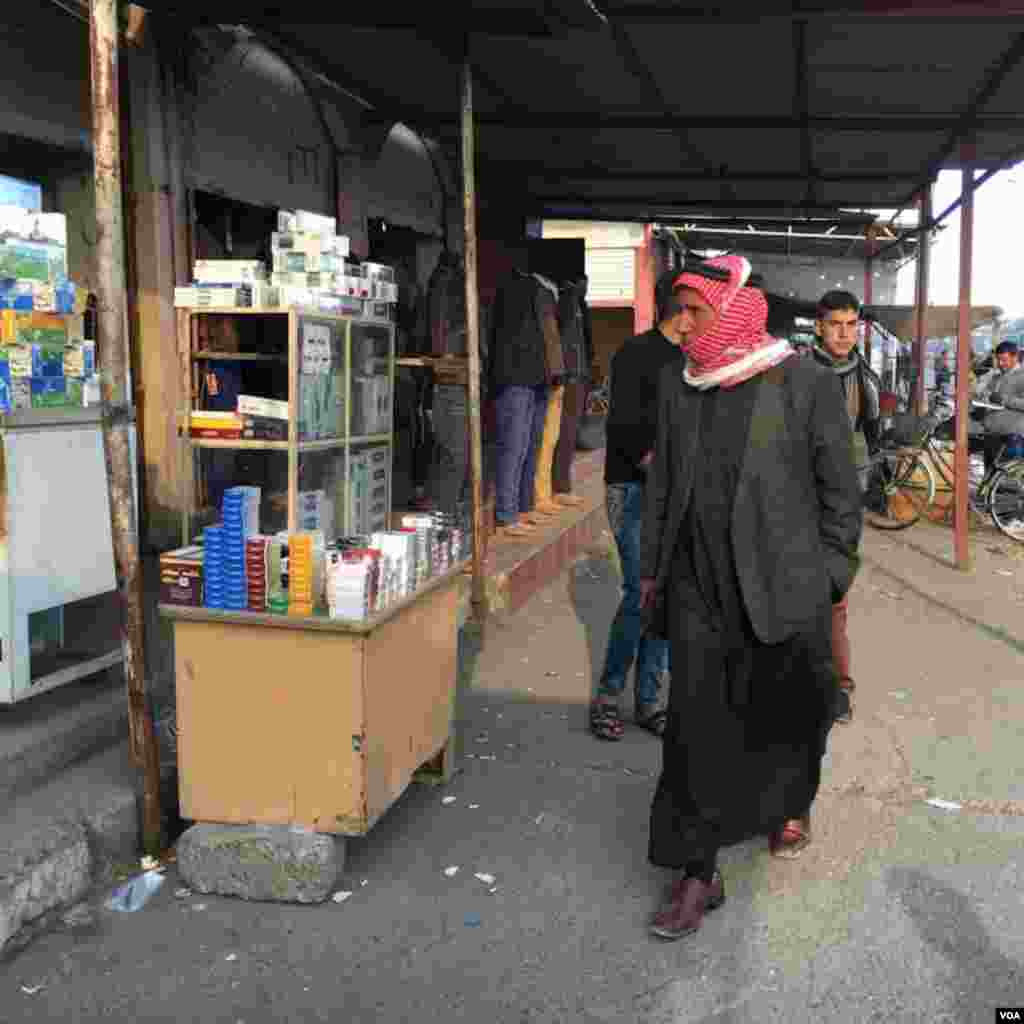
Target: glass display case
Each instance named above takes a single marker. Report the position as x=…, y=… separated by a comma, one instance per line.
x=302, y=408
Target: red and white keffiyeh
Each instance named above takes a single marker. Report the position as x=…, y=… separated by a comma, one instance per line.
x=738, y=347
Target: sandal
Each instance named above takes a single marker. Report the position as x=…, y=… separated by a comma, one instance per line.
x=654, y=722
x=605, y=721
x=791, y=840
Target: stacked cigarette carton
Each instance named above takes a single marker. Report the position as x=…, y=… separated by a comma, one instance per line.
x=45, y=359
x=309, y=269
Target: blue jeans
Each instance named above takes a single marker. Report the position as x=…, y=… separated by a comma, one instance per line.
x=519, y=424
x=628, y=642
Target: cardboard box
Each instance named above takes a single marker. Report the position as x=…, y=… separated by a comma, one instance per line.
x=229, y=271
x=21, y=393
x=49, y=393
x=18, y=328
x=252, y=405
x=181, y=577
x=211, y=296
x=80, y=359
x=6, y=392
x=19, y=358
x=33, y=246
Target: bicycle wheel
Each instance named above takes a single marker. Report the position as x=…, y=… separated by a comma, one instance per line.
x=1006, y=500
x=900, y=487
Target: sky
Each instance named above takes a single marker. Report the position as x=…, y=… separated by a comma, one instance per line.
x=998, y=275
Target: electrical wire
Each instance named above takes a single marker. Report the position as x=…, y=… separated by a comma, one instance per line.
x=68, y=9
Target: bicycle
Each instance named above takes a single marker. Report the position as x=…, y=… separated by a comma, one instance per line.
x=900, y=483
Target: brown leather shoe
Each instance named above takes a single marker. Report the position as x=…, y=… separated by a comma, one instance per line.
x=791, y=840
x=689, y=900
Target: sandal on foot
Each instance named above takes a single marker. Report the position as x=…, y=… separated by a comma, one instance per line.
x=605, y=721
x=653, y=722
x=791, y=840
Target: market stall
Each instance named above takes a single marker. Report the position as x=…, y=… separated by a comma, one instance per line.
x=58, y=605
x=325, y=631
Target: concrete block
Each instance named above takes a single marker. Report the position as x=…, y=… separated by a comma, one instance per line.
x=261, y=862
x=47, y=868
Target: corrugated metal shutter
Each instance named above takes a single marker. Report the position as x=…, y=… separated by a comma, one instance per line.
x=611, y=275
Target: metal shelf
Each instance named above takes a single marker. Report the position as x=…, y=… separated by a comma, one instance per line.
x=242, y=357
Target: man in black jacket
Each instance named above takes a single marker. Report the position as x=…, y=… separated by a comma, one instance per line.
x=631, y=428
x=836, y=350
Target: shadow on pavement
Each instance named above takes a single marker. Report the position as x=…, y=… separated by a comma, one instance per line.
x=595, y=589
x=980, y=977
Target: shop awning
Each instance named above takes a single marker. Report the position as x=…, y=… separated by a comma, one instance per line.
x=940, y=321
x=650, y=109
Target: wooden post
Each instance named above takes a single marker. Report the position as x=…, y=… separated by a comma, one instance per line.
x=479, y=592
x=920, y=350
x=644, y=276
x=961, y=462
x=118, y=413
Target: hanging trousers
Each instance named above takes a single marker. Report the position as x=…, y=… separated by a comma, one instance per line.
x=572, y=408
x=549, y=441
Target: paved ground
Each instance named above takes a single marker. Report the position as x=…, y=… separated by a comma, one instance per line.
x=899, y=912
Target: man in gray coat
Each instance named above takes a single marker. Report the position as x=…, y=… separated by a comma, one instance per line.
x=1003, y=385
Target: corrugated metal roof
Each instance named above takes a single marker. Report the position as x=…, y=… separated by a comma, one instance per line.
x=624, y=108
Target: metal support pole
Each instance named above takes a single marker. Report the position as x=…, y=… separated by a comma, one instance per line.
x=961, y=463
x=869, y=292
x=479, y=592
x=920, y=402
x=118, y=413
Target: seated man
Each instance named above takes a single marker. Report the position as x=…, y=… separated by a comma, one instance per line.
x=1003, y=385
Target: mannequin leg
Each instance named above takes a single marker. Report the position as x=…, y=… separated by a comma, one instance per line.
x=542, y=496
x=572, y=408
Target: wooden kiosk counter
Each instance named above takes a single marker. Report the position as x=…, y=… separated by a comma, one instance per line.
x=313, y=721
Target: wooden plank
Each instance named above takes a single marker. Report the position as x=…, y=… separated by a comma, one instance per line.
x=411, y=672
x=295, y=750
x=212, y=442
x=242, y=357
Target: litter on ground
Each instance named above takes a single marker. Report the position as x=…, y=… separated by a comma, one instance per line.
x=451, y=872
x=340, y=897
x=944, y=805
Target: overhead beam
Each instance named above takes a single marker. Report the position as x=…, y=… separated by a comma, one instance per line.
x=544, y=173
x=659, y=206
x=785, y=10
x=640, y=69
x=967, y=123
x=801, y=105
x=585, y=122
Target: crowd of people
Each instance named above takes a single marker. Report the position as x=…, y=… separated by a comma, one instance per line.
x=735, y=503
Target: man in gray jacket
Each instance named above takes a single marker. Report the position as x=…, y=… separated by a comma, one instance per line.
x=1003, y=385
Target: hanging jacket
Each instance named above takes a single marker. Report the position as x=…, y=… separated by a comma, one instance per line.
x=571, y=331
x=446, y=307
x=525, y=348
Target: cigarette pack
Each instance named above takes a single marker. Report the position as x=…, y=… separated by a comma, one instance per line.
x=252, y=405
x=181, y=577
x=47, y=361
x=227, y=272
x=264, y=428
x=290, y=221
x=80, y=359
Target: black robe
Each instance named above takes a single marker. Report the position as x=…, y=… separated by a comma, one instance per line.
x=747, y=721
